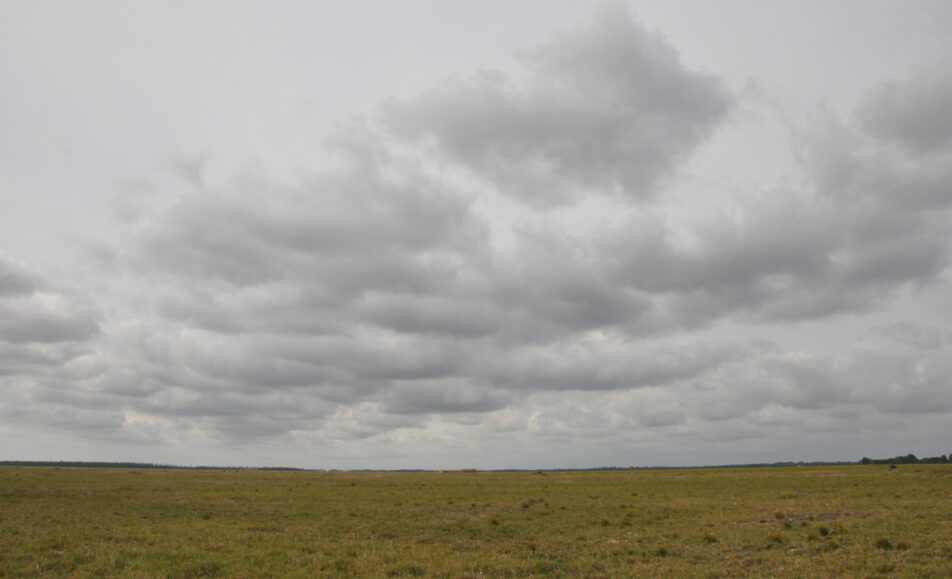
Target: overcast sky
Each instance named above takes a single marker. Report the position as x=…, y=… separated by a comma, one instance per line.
x=429, y=234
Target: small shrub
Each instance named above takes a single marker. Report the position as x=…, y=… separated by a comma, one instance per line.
x=206, y=568
x=709, y=538
x=883, y=543
x=662, y=551
x=210, y=568
x=544, y=567
x=406, y=571
x=342, y=565
x=824, y=531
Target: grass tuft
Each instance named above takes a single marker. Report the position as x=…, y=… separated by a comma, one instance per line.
x=406, y=571
x=883, y=543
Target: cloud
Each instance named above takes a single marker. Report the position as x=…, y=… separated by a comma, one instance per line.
x=379, y=301
x=33, y=311
x=14, y=278
x=605, y=109
x=868, y=220
x=45, y=317
x=762, y=395
x=914, y=112
x=44, y=327
x=443, y=396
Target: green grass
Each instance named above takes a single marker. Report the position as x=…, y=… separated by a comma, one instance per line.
x=794, y=522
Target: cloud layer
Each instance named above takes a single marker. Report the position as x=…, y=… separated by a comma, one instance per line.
x=608, y=109
x=428, y=293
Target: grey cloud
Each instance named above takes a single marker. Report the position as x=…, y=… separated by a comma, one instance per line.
x=32, y=320
x=281, y=409
x=30, y=358
x=14, y=278
x=377, y=283
x=90, y=423
x=604, y=363
x=903, y=370
x=34, y=311
x=371, y=300
x=366, y=420
x=190, y=167
x=443, y=396
x=606, y=109
x=382, y=244
x=777, y=236
x=915, y=112
x=552, y=285
x=363, y=361
x=268, y=252
x=910, y=335
x=763, y=395
x=438, y=314
x=875, y=219
x=15, y=358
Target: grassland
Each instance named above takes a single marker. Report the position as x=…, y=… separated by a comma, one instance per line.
x=854, y=521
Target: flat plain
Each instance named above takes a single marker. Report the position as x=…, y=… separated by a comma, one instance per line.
x=856, y=521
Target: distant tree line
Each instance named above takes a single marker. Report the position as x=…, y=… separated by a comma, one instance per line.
x=140, y=465
x=908, y=459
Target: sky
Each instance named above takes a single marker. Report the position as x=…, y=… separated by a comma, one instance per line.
x=434, y=234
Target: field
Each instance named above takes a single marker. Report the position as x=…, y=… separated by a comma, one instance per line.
x=854, y=521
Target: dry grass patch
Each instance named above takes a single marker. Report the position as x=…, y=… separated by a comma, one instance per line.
x=825, y=521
